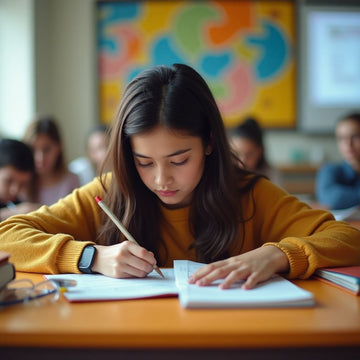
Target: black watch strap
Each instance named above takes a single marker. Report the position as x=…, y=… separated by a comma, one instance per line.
x=87, y=259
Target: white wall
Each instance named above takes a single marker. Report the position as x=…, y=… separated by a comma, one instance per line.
x=66, y=67
x=16, y=65
x=48, y=66
x=284, y=147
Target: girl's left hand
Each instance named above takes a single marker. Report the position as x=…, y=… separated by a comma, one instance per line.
x=254, y=267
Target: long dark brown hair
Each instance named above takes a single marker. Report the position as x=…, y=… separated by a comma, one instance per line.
x=178, y=98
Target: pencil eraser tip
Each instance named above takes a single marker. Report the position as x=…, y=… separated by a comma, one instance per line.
x=97, y=198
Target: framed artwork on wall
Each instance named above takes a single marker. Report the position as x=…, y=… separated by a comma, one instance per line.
x=243, y=49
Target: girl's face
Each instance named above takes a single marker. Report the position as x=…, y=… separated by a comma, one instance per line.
x=46, y=152
x=170, y=164
x=348, y=139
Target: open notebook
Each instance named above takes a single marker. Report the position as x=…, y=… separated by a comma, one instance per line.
x=276, y=292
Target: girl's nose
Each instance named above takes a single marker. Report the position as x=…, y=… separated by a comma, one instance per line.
x=14, y=190
x=162, y=177
x=38, y=156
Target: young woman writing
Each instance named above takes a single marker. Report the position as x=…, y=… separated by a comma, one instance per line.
x=178, y=190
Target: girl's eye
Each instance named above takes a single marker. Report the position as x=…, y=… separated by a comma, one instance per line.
x=178, y=163
x=143, y=164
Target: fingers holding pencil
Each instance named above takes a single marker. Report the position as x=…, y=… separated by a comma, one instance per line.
x=123, y=260
x=122, y=228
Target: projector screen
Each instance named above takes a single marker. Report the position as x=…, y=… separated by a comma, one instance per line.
x=329, y=60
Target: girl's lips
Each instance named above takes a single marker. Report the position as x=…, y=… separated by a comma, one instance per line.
x=167, y=193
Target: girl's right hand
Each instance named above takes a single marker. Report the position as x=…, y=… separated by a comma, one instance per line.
x=123, y=260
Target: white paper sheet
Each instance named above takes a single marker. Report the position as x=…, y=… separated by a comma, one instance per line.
x=276, y=292
x=93, y=287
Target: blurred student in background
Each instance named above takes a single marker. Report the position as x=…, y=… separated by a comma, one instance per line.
x=338, y=185
x=52, y=179
x=89, y=166
x=246, y=140
x=16, y=171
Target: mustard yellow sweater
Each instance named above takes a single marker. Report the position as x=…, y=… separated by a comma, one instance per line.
x=51, y=239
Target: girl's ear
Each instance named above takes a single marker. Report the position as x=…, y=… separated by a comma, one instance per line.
x=208, y=150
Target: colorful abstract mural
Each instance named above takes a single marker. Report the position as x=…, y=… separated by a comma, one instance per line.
x=243, y=49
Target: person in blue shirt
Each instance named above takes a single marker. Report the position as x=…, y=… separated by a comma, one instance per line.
x=338, y=185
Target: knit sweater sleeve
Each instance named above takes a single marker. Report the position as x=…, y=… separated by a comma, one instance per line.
x=51, y=239
x=310, y=238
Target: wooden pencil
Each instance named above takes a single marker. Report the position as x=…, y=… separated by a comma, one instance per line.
x=122, y=228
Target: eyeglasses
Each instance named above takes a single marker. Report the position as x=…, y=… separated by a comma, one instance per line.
x=350, y=139
x=25, y=291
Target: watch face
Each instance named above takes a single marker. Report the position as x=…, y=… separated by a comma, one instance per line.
x=87, y=259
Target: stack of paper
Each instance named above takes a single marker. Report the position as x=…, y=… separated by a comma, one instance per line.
x=93, y=287
x=276, y=292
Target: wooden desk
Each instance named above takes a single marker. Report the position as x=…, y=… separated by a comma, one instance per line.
x=160, y=329
x=299, y=178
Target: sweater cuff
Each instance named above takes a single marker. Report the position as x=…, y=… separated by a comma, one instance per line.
x=69, y=254
x=297, y=259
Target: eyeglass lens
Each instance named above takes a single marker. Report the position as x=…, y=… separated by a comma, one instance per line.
x=24, y=291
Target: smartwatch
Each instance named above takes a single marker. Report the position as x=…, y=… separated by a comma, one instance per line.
x=87, y=259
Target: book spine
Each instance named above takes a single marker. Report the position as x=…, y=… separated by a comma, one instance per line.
x=336, y=285
x=7, y=273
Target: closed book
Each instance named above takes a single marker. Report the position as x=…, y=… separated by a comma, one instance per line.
x=7, y=273
x=347, y=277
